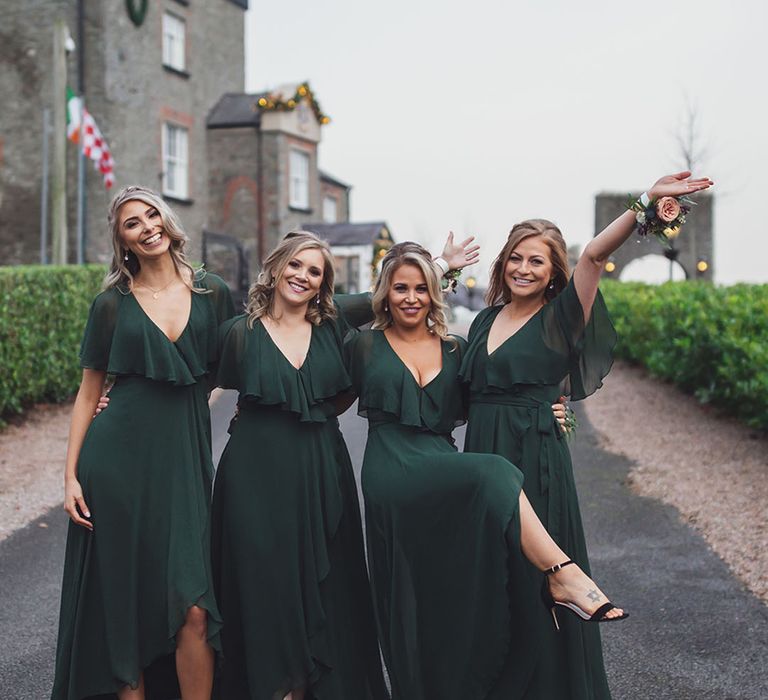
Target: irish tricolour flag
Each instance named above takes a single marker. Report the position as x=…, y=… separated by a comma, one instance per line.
x=94, y=146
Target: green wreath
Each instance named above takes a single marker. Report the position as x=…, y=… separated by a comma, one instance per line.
x=137, y=10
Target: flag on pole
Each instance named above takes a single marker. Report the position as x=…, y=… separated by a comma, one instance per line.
x=94, y=146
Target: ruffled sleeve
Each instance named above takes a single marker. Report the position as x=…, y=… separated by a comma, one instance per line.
x=355, y=310
x=219, y=294
x=590, y=347
x=253, y=365
x=99, y=330
x=387, y=391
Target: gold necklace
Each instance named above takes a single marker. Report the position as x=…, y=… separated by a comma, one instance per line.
x=156, y=292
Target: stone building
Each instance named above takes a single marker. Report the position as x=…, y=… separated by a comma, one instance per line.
x=263, y=160
x=152, y=73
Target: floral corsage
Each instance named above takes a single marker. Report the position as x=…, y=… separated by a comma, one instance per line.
x=450, y=280
x=661, y=217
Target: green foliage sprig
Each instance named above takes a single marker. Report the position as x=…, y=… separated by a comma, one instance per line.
x=43, y=310
x=710, y=341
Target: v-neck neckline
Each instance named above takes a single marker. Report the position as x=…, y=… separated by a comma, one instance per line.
x=408, y=369
x=509, y=337
x=156, y=325
x=280, y=350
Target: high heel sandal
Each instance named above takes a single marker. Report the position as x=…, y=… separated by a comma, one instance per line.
x=551, y=603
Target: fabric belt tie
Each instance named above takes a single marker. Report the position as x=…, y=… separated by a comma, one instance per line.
x=543, y=421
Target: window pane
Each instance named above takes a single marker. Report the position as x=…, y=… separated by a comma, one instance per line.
x=175, y=165
x=174, y=30
x=299, y=180
x=329, y=210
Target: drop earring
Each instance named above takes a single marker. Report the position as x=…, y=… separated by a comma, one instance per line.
x=317, y=300
x=125, y=257
x=551, y=284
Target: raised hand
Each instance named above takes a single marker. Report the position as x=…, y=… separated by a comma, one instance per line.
x=678, y=185
x=460, y=255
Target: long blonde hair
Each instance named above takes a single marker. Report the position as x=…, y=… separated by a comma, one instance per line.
x=261, y=295
x=498, y=290
x=121, y=271
x=409, y=253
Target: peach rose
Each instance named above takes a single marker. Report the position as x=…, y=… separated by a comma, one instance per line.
x=668, y=209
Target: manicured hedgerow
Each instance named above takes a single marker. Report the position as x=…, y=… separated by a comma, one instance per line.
x=711, y=341
x=43, y=310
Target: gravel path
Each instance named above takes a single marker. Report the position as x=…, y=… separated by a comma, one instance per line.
x=713, y=470
x=32, y=456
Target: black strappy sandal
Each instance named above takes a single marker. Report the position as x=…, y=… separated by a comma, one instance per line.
x=551, y=603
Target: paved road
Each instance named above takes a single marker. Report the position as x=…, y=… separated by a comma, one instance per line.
x=694, y=634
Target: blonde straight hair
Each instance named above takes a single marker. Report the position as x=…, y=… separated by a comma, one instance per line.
x=121, y=271
x=409, y=253
x=261, y=295
x=498, y=290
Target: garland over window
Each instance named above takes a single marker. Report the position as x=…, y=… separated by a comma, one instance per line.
x=276, y=103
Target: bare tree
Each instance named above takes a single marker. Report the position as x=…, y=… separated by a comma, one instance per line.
x=692, y=152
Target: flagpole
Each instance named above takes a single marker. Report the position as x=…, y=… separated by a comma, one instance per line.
x=59, y=170
x=44, y=190
x=81, y=211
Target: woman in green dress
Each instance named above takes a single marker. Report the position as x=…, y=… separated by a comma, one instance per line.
x=138, y=611
x=543, y=335
x=288, y=552
x=448, y=533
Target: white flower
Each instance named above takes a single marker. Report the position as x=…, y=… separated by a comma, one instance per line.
x=640, y=217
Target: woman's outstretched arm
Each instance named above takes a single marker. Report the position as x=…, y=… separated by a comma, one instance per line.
x=586, y=276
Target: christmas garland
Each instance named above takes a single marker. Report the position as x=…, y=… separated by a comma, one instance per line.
x=278, y=104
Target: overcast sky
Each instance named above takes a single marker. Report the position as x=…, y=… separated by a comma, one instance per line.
x=473, y=116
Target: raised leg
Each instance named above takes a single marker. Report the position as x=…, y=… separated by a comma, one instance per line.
x=570, y=584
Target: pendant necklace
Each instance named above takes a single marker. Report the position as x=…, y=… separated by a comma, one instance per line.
x=156, y=292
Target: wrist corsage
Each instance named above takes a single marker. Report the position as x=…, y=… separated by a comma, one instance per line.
x=661, y=217
x=450, y=280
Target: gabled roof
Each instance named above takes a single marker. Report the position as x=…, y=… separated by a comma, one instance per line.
x=326, y=177
x=235, y=109
x=350, y=234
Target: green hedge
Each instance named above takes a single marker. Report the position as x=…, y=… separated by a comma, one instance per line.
x=43, y=310
x=711, y=341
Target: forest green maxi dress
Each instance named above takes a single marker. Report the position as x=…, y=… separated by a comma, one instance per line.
x=510, y=397
x=288, y=552
x=145, y=469
x=443, y=537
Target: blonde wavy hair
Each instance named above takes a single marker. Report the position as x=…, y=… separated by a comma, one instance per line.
x=498, y=291
x=261, y=295
x=409, y=253
x=121, y=272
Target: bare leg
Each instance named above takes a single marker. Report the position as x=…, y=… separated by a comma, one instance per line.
x=296, y=694
x=568, y=584
x=194, y=657
x=129, y=693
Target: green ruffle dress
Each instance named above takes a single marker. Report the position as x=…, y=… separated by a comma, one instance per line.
x=288, y=552
x=443, y=537
x=510, y=397
x=145, y=469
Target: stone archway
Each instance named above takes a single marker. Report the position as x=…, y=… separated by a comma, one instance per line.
x=652, y=269
x=693, y=249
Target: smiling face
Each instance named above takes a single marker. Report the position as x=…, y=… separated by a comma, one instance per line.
x=301, y=279
x=141, y=229
x=529, y=268
x=408, y=297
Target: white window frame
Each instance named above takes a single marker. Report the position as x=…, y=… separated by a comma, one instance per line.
x=174, y=42
x=175, y=160
x=298, y=186
x=330, y=209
